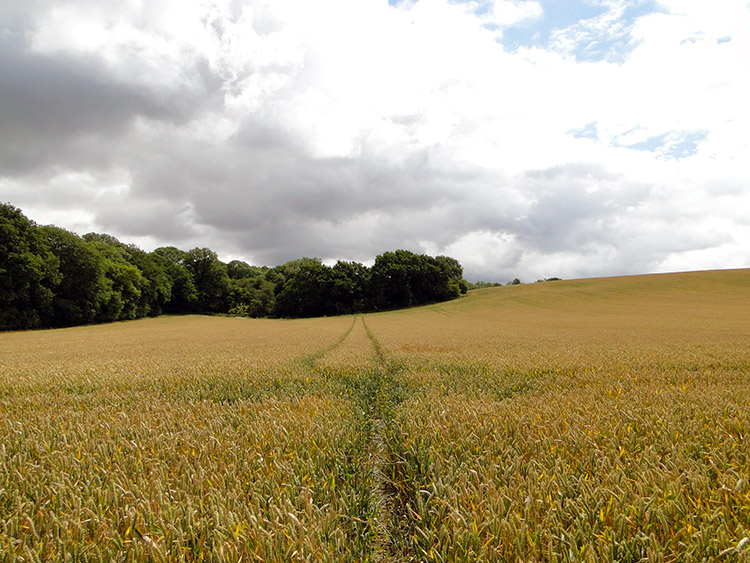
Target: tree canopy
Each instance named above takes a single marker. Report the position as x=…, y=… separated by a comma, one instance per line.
x=51, y=277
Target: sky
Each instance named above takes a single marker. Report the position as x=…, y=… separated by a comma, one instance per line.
x=526, y=138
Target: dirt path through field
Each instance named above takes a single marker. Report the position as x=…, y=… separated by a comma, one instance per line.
x=380, y=516
x=385, y=517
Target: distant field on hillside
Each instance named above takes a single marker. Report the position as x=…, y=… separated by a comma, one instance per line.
x=583, y=420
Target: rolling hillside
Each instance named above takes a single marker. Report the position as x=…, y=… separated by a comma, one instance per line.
x=583, y=420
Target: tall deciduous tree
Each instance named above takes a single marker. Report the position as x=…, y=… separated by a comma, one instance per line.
x=391, y=279
x=52, y=277
x=350, y=284
x=151, y=286
x=303, y=291
x=210, y=278
x=83, y=289
x=184, y=296
x=29, y=272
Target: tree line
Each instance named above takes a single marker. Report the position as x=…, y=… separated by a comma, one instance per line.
x=51, y=277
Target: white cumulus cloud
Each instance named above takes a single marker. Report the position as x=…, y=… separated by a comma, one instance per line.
x=615, y=143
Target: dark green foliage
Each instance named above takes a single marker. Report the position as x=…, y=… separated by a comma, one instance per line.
x=483, y=285
x=50, y=277
x=403, y=279
x=156, y=289
x=124, y=282
x=305, y=291
x=391, y=279
x=251, y=297
x=172, y=254
x=210, y=279
x=139, y=283
x=84, y=293
x=350, y=287
x=29, y=272
x=184, y=295
x=309, y=288
x=239, y=270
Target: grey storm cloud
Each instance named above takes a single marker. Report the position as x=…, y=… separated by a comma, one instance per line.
x=270, y=131
x=51, y=105
x=575, y=204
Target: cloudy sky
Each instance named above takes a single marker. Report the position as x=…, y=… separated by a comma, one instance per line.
x=526, y=138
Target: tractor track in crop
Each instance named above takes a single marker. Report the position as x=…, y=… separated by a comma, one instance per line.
x=381, y=522
x=382, y=501
x=309, y=360
x=391, y=539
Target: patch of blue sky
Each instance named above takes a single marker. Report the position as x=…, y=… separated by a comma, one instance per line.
x=673, y=144
x=607, y=36
x=588, y=131
x=594, y=30
x=591, y=30
x=557, y=15
x=652, y=144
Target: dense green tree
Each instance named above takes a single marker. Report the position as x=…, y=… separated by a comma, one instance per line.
x=483, y=285
x=29, y=272
x=172, y=254
x=238, y=270
x=403, y=278
x=83, y=290
x=451, y=283
x=157, y=289
x=52, y=277
x=210, y=279
x=251, y=297
x=125, y=282
x=349, y=287
x=427, y=280
x=140, y=279
x=451, y=267
x=183, y=296
x=391, y=278
x=102, y=239
x=250, y=293
x=119, y=294
x=303, y=292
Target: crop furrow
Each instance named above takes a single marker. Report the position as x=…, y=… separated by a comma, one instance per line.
x=393, y=494
x=310, y=360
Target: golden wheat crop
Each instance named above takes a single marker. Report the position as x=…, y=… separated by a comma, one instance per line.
x=590, y=420
x=576, y=421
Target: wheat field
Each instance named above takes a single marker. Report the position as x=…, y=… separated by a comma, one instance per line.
x=585, y=420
